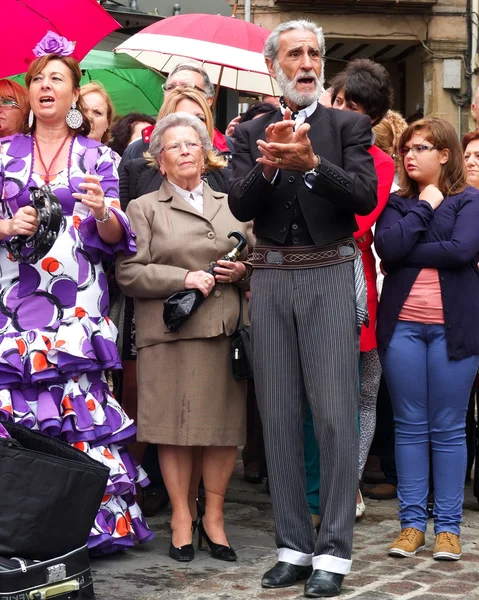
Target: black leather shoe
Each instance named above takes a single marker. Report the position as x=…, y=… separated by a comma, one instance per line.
x=323, y=584
x=218, y=551
x=184, y=553
x=284, y=574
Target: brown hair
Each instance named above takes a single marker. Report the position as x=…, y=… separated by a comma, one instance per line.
x=175, y=96
x=14, y=91
x=468, y=138
x=37, y=67
x=442, y=135
x=384, y=133
x=96, y=87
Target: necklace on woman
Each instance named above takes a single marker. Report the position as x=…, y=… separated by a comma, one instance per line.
x=46, y=171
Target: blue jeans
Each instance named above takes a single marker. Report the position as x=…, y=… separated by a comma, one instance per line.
x=429, y=395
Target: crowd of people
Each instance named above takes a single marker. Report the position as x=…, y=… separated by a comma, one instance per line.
x=359, y=276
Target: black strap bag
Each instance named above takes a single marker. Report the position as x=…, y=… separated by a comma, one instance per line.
x=66, y=577
x=50, y=492
x=241, y=354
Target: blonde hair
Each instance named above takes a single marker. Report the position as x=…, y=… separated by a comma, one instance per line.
x=398, y=125
x=177, y=95
x=384, y=139
x=97, y=87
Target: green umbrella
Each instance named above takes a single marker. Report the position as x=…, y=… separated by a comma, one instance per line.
x=131, y=86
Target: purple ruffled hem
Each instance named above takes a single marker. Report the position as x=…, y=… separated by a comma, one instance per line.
x=3, y=432
x=119, y=523
x=104, y=544
x=78, y=411
x=77, y=346
x=96, y=247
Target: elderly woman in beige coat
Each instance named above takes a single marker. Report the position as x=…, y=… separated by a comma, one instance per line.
x=188, y=402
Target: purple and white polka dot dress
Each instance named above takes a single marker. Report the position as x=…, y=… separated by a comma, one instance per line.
x=56, y=339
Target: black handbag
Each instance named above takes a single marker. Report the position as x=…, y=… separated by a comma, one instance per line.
x=50, y=494
x=66, y=577
x=241, y=354
x=179, y=307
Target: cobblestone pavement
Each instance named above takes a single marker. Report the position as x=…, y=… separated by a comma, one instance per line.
x=147, y=572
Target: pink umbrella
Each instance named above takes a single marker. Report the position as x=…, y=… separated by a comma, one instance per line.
x=24, y=23
x=229, y=49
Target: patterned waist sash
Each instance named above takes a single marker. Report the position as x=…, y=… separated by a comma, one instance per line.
x=266, y=256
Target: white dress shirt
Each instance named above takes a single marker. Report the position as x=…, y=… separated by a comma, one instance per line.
x=303, y=114
x=194, y=198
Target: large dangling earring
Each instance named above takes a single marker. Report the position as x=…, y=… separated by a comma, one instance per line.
x=31, y=118
x=74, y=117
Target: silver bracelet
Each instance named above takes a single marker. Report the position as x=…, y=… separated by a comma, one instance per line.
x=105, y=218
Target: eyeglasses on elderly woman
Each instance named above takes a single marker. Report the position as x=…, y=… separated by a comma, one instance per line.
x=175, y=147
x=8, y=103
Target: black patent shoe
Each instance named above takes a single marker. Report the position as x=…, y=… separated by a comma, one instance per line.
x=183, y=553
x=218, y=551
x=285, y=574
x=323, y=584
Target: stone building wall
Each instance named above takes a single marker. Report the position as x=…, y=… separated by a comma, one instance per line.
x=422, y=34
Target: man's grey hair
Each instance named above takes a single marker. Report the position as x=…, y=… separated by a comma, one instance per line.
x=271, y=46
x=179, y=119
x=207, y=85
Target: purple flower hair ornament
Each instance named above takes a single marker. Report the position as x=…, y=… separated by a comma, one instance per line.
x=52, y=43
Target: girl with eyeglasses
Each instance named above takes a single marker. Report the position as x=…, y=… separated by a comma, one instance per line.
x=428, y=329
x=13, y=107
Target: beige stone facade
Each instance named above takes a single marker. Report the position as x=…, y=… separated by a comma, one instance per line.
x=412, y=38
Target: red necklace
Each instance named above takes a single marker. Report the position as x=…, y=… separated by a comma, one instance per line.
x=47, y=171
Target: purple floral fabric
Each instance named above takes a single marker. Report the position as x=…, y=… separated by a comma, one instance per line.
x=56, y=339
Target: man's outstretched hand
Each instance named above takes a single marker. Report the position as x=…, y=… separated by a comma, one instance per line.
x=296, y=154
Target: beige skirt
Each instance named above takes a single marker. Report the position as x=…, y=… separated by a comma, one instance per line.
x=187, y=395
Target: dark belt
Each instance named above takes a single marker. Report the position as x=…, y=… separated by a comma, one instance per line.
x=303, y=257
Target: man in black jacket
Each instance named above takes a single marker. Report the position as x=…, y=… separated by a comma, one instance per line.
x=302, y=173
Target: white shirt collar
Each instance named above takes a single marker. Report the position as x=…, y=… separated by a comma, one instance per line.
x=304, y=113
x=197, y=200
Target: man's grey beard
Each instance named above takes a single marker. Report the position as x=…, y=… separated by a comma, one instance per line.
x=288, y=86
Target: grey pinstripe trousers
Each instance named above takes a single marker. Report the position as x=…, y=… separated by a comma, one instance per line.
x=306, y=349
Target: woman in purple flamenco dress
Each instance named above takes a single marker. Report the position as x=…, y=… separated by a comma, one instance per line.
x=56, y=339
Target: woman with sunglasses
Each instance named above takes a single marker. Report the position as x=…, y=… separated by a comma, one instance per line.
x=428, y=329
x=13, y=107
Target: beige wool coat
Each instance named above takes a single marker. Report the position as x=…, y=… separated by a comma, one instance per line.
x=186, y=392
x=173, y=238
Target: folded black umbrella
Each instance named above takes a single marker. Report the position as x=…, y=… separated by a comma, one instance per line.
x=179, y=307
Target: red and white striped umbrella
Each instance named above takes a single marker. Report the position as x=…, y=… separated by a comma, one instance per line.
x=229, y=49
